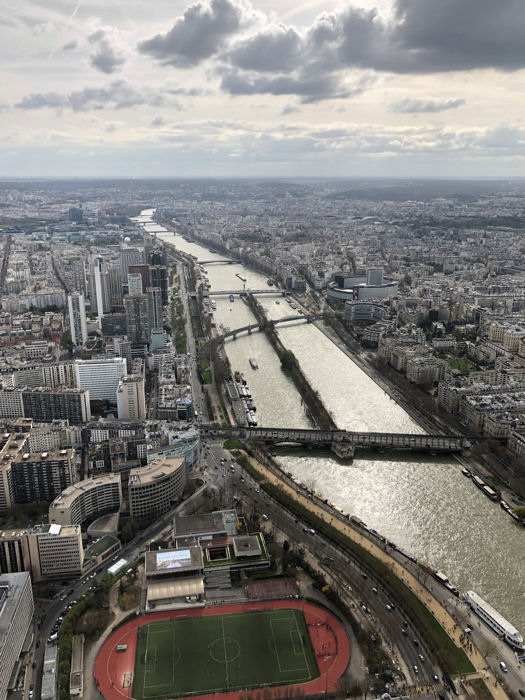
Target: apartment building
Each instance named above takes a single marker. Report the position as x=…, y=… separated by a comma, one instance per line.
x=16, y=614
x=87, y=500
x=157, y=487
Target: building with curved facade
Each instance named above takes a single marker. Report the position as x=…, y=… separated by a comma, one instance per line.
x=154, y=489
x=87, y=500
x=361, y=287
x=365, y=311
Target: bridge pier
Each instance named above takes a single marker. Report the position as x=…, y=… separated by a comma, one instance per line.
x=343, y=450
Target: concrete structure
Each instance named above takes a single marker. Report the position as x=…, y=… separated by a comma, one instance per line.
x=101, y=377
x=131, y=399
x=87, y=500
x=154, y=295
x=365, y=310
x=154, y=489
x=56, y=552
x=372, y=285
x=77, y=319
x=136, y=308
x=173, y=577
x=135, y=283
x=11, y=404
x=45, y=404
x=16, y=615
x=37, y=477
x=10, y=447
x=49, y=673
x=99, y=296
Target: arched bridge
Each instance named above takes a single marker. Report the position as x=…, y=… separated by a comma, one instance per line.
x=269, y=324
x=342, y=442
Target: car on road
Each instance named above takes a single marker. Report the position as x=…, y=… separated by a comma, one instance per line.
x=416, y=670
x=416, y=643
x=404, y=631
x=374, y=589
x=388, y=606
x=503, y=666
x=421, y=657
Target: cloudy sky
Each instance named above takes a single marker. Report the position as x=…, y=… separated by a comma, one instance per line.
x=267, y=87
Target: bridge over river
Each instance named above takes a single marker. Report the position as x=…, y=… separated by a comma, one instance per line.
x=269, y=324
x=342, y=442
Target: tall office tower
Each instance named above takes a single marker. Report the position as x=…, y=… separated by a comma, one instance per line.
x=77, y=319
x=135, y=283
x=159, y=278
x=157, y=257
x=143, y=270
x=99, y=295
x=158, y=272
x=131, y=400
x=78, y=275
x=136, y=308
x=154, y=308
x=16, y=615
x=100, y=376
x=114, y=287
x=129, y=256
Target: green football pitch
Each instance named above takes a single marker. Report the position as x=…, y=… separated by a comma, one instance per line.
x=221, y=653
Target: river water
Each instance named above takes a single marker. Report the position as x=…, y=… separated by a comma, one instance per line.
x=422, y=503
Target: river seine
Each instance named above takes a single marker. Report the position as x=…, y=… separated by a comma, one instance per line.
x=422, y=503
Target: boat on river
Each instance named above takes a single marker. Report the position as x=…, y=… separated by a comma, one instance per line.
x=495, y=620
x=232, y=298
x=253, y=363
x=466, y=472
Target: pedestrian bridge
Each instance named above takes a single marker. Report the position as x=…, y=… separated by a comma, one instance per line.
x=269, y=324
x=342, y=442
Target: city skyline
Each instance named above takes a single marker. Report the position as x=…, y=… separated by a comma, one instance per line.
x=231, y=88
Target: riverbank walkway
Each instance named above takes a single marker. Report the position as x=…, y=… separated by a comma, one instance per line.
x=441, y=614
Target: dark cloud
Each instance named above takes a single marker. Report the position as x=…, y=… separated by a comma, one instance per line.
x=289, y=109
x=70, y=46
x=197, y=35
x=461, y=34
x=106, y=59
x=414, y=106
x=96, y=36
x=276, y=49
x=117, y=95
x=310, y=88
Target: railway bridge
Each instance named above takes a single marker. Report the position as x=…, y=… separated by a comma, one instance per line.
x=342, y=442
x=269, y=324
x=222, y=261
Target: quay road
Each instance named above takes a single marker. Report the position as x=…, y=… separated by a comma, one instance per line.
x=396, y=441
x=440, y=612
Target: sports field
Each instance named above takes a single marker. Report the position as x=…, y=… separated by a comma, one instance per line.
x=222, y=653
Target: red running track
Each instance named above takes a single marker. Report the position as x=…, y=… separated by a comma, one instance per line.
x=328, y=637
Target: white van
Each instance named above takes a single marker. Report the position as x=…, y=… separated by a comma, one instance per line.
x=503, y=666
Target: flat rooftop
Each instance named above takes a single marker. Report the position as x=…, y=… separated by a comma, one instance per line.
x=219, y=522
x=173, y=561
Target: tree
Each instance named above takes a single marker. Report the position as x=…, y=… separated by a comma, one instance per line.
x=520, y=512
x=288, y=360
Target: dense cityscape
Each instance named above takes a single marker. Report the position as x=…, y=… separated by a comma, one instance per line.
x=171, y=444
x=262, y=350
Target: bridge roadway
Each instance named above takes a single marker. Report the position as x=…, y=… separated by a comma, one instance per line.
x=238, y=292
x=269, y=324
x=226, y=261
x=396, y=441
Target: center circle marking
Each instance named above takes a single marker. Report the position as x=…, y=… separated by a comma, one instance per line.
x=225, y=650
